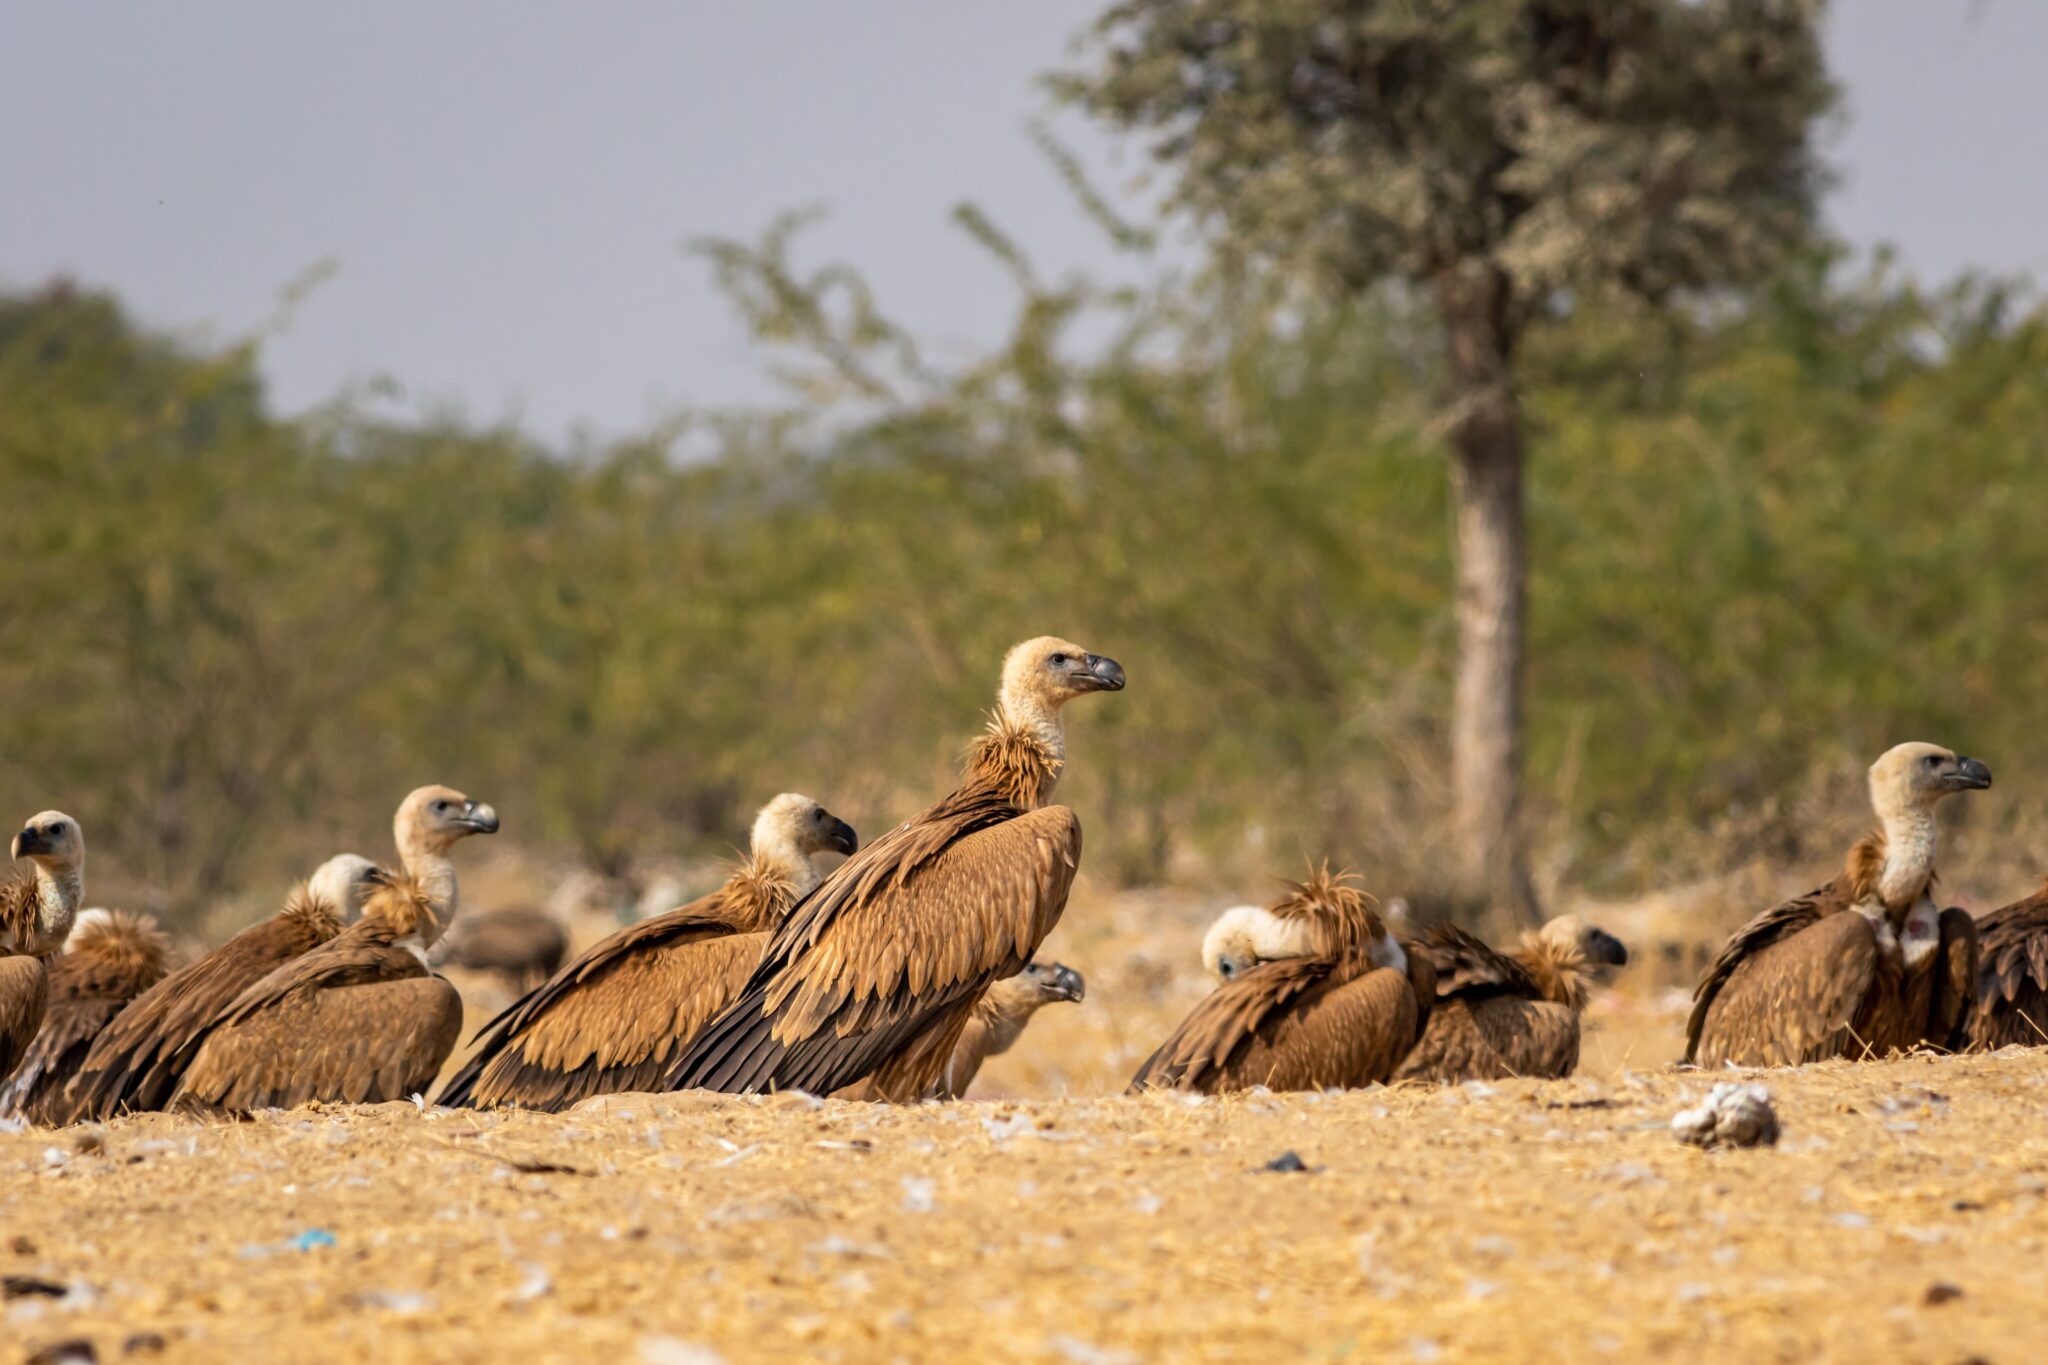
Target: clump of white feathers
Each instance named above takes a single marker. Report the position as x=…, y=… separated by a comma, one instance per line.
x=1732, y=1115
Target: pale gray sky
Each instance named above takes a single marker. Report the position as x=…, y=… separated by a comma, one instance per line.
x=504, y=184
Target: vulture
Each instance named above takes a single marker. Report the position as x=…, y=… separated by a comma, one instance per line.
x=110, y=958
x=136, y=1062
x=360, y=1019
x=993, y=1029
x=1507, y=1014
x=616, y=1018
x=430, y=822
x=878, y=970
x=1246, y=935
x=521, y=945
x=36, y=910
x=2012, y=979
x=1343, y=1015
x=1864, y=965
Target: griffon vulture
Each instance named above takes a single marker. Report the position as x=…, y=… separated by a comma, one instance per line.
x=36, y=909
x=999, y=1018
x=1507, y=1014
x=2012, y=975
x=429, y=823
x=1246, y=935
x=110, y=958
x=521, y=945
x=1864, y=965
x=358, y=1020
x=137, y=1060
x=1343, y=1015
x=615, y=1018
x=878, y=970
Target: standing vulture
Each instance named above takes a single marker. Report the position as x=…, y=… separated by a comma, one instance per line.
x=877, y=971
x=1864, y=965
x=137, y=1060
x=358, y=1020
x=616, y=1018
x=109, y=959
x=993, y=1029
x=36, y=909
x=1507, y=1014
x=1344, y=1015
x=2012, y=977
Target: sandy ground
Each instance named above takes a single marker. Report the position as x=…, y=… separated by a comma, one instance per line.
x=1901, y=1218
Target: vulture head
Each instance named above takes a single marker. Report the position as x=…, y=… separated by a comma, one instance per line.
x=1913, y=777
x=793, y=824
x=1592, y=943
x=434, y=818
x=52, y=841
x=343, y=882
x=1054, y=981
x=1246, y=935
x=1040, y=676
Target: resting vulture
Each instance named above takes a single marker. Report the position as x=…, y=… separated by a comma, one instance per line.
x=998, y=1019
x=1864, y=965
x=523, y=946
x=616, y=1017
x=110, y=958
x=1507, y=1014
x=358, y=1020
x=36, y=909
x=877, y=971
x=430, y=821
x=137, y=1060
x=1343, y=1015
x=2012, y=977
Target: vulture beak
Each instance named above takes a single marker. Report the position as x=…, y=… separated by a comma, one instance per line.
x=28, y=843
x=842, y=839
x=1103, y=675
x=477, y=818
x=1062, y=982
x=1604, y=948
x=1970, y=775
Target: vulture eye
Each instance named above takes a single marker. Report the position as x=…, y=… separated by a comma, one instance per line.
x=1932, y=760
x=440, y=806
x=1059, y=660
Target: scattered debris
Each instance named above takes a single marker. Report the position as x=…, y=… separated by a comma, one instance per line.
x=1289, y=1163
x=78, y=1351
x=671, y=1351
x=29, y=1287
x=312, y=1239
x=1939, y=1293
x=1732, y=1115
x=920, y=1195
x=144, y=1344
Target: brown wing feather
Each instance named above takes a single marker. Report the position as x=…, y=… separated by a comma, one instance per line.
x=1800, y=998
x=1771, y=927
x=2012, y=975
x=905, y=933
x=24, y=994
x=1469, y=967
x=136, y=1061
x=1955, y=982
x=87, y=990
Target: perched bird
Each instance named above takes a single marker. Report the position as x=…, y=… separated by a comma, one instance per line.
x=993, y=1029
x=430, y=822
x=2012, y=975
x=617, y=1017
x=36, y=909
x=1864, y=965
x=1507, y=1014
x=358, y=1020
x=878, y=970
x=521, y=945
x=135, y=1063
x=110, y=958
x=1343, y=1015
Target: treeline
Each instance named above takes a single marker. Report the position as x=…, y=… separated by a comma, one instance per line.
x=1769, y=541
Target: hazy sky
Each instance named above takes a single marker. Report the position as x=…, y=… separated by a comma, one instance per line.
x=504, y=185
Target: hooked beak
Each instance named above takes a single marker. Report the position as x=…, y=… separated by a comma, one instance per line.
x=477, y=818
x=28, y=843
x=1103, y=675
x=1970, y=775
x=842, y=839
x=1064, y=983
x=1604, y=948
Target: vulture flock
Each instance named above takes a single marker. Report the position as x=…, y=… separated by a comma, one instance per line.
x=890, y=971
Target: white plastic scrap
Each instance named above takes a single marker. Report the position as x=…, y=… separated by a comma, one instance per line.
x=1732, y=1115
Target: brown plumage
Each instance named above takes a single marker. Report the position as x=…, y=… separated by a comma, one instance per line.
x=876, y=972
x=137, y=1060
x=36, y=909
x=1862, y=966
x=521, y=945
x=358, y=1020
x=992, y=1029
x=1345, y=1015
x=1507, y=1014
x=2011, y=1003
x=108, y=960
x=616, y=1018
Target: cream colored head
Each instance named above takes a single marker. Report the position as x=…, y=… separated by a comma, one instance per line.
x=1913, y=777
x=52, y=841
x=1246, y=935
x=1042, y=675
x=1593, y=944
x=432, y=819
x=343, y=882
x=792, y=828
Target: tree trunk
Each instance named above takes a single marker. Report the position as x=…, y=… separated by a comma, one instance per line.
x=1486, y=486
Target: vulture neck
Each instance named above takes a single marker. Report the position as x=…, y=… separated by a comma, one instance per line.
x=427, y=862
x=1908, y=859
x=58, y=892
x=778, y=858
x=1003, y=1017
x=1023, y=751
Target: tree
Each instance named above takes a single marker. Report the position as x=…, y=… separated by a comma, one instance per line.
x=1503, y=160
